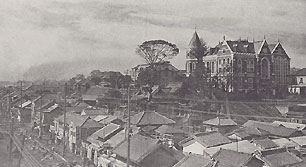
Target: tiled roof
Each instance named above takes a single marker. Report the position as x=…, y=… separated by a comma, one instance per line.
x=265, y=143
x=150, y=118
x=105, y=131
x=245, y=132
x=166, y=129
x=291, y=125
x=232, y=158
x=195, y=41
x=90, y=123
x=243, y=146
x=241, y=46
x=98, y=118
x=109, y=119
x=76, y=119
x=116, y=139
x=299, y=140
x=140, y=147
x=193, y=160
x=283, y=142
x=301, y=72
x=82, y=105
x=220, y=122
x=272, y=129
x=97, y=90
x=211, y=139
x=91, y=112
x=280, y=158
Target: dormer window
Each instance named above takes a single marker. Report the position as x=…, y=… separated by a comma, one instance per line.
x=246, y=48
x=235, y=47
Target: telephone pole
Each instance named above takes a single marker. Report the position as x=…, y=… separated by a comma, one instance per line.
x=64, y=135
x=11, y=127
x=20, y=110
x=40, y=112
x=128, y=130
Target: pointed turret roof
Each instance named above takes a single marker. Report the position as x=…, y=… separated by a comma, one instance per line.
x=195, y=41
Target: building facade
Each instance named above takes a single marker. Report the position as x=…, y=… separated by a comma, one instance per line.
x=245, y=66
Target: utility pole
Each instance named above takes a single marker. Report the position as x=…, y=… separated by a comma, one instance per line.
x=11, y=127
x=64, y=135
x=128, y=130
x=40, y=112
x=23, y=137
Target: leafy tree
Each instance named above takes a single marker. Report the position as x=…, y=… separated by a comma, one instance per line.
x=124, y=81
x=156, y=51
x=148, y=76
x=95, y=80
x=199, y=78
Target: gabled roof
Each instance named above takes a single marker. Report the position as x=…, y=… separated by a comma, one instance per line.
x=51, y=108
x=94, y=112
x=150, y=118
x=195, y=41
x=301, y=72
x=220, y=122
x=105, y=131
x=193, y=160
x=265, y=143
x=283, y=142
x=90, y=123
x=241, y=46
x=301, y=140
x=116, y=139
x=243, y=146
x=211, y=139
x=140, y=147
x=291, y=125
x=97, y=91
x=280, y=158
x=76, y=119
x=245, y=132
x=82, y=105
x=166, y=129
x=272, y=128
x=232, y=158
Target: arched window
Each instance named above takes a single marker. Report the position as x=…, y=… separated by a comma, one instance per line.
x=244, y=66
x=194, y=65
x=239, y=65
x=265, y=69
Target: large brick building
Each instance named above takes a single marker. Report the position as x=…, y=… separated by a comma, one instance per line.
x=244, y=65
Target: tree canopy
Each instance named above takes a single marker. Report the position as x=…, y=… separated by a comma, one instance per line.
x=155, y=51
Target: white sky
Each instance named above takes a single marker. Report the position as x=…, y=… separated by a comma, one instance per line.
x=60, y=38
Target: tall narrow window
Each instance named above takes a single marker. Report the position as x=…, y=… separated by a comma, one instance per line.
x=265, y=68
x=239, y=65
x=244, y=66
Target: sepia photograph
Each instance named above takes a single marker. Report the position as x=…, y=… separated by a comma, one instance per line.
x=152, y=83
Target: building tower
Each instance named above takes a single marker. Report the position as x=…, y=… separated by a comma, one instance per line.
x=193, y=51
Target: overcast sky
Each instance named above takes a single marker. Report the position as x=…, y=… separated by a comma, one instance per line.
x=48, y=38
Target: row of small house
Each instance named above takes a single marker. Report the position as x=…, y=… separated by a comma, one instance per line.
x=155, y=141
x=101, y=137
